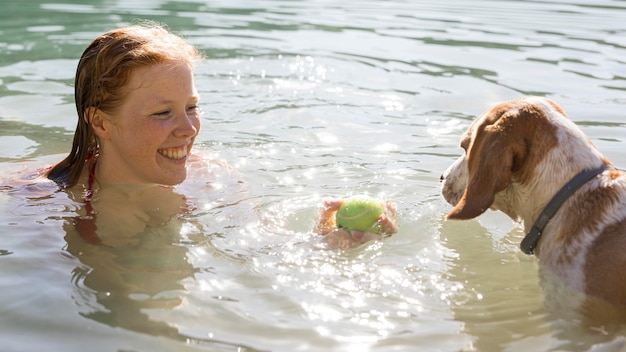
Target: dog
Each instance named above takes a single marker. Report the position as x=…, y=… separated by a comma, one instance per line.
x=526, y=158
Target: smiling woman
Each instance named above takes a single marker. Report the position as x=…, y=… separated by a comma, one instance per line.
x=138, y=117
x=137, y=109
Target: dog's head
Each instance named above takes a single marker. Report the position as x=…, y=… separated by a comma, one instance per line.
x=503, y=148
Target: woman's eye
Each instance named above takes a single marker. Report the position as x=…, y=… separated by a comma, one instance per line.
x=162, y=114
x=166, y=113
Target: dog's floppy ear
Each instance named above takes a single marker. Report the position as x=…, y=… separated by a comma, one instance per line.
x=496, y=151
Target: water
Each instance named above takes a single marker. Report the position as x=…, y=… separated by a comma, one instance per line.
x=306, y=99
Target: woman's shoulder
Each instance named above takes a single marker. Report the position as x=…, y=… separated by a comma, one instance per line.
x=29, y=173
x=203, y=163
x=206, y=170
x=26, y=179
x=23, y=186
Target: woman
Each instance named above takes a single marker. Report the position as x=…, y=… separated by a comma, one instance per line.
x=138, y=116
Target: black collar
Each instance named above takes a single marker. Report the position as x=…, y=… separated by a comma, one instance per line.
x=532, y=237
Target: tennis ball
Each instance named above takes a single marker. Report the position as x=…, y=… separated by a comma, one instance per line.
x=359, y=213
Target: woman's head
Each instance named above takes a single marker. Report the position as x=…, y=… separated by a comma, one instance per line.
x=102, y=77
x=106, y=64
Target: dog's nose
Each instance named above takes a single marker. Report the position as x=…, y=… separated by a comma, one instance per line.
x=441, y=178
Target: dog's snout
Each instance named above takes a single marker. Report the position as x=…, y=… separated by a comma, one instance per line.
x=453, y=181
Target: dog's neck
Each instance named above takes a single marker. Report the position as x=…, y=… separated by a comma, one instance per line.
x=531, y=191
x=529, y=243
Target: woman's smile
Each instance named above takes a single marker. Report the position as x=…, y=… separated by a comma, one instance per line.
x=174, y=153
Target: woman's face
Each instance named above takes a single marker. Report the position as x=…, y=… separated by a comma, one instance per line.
x=148, y=138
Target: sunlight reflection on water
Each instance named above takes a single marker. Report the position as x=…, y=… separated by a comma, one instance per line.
x=307, y=100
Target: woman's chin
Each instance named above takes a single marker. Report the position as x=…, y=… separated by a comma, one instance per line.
x=173, y=178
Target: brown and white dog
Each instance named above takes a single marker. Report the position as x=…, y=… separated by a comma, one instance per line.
x=518, y=155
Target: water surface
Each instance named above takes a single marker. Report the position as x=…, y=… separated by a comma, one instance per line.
x=306, y=99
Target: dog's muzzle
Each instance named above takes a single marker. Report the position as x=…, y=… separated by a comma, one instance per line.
x=454, y=181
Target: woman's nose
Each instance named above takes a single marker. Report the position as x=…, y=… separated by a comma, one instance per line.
x=188, y=125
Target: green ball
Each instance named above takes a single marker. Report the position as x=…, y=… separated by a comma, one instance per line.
x=359, y=213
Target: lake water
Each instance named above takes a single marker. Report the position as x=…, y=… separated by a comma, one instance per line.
x=307, y=100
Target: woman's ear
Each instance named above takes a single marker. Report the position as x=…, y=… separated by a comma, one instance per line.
x=98, y=122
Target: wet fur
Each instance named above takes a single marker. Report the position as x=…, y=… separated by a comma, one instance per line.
x=518, y=154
